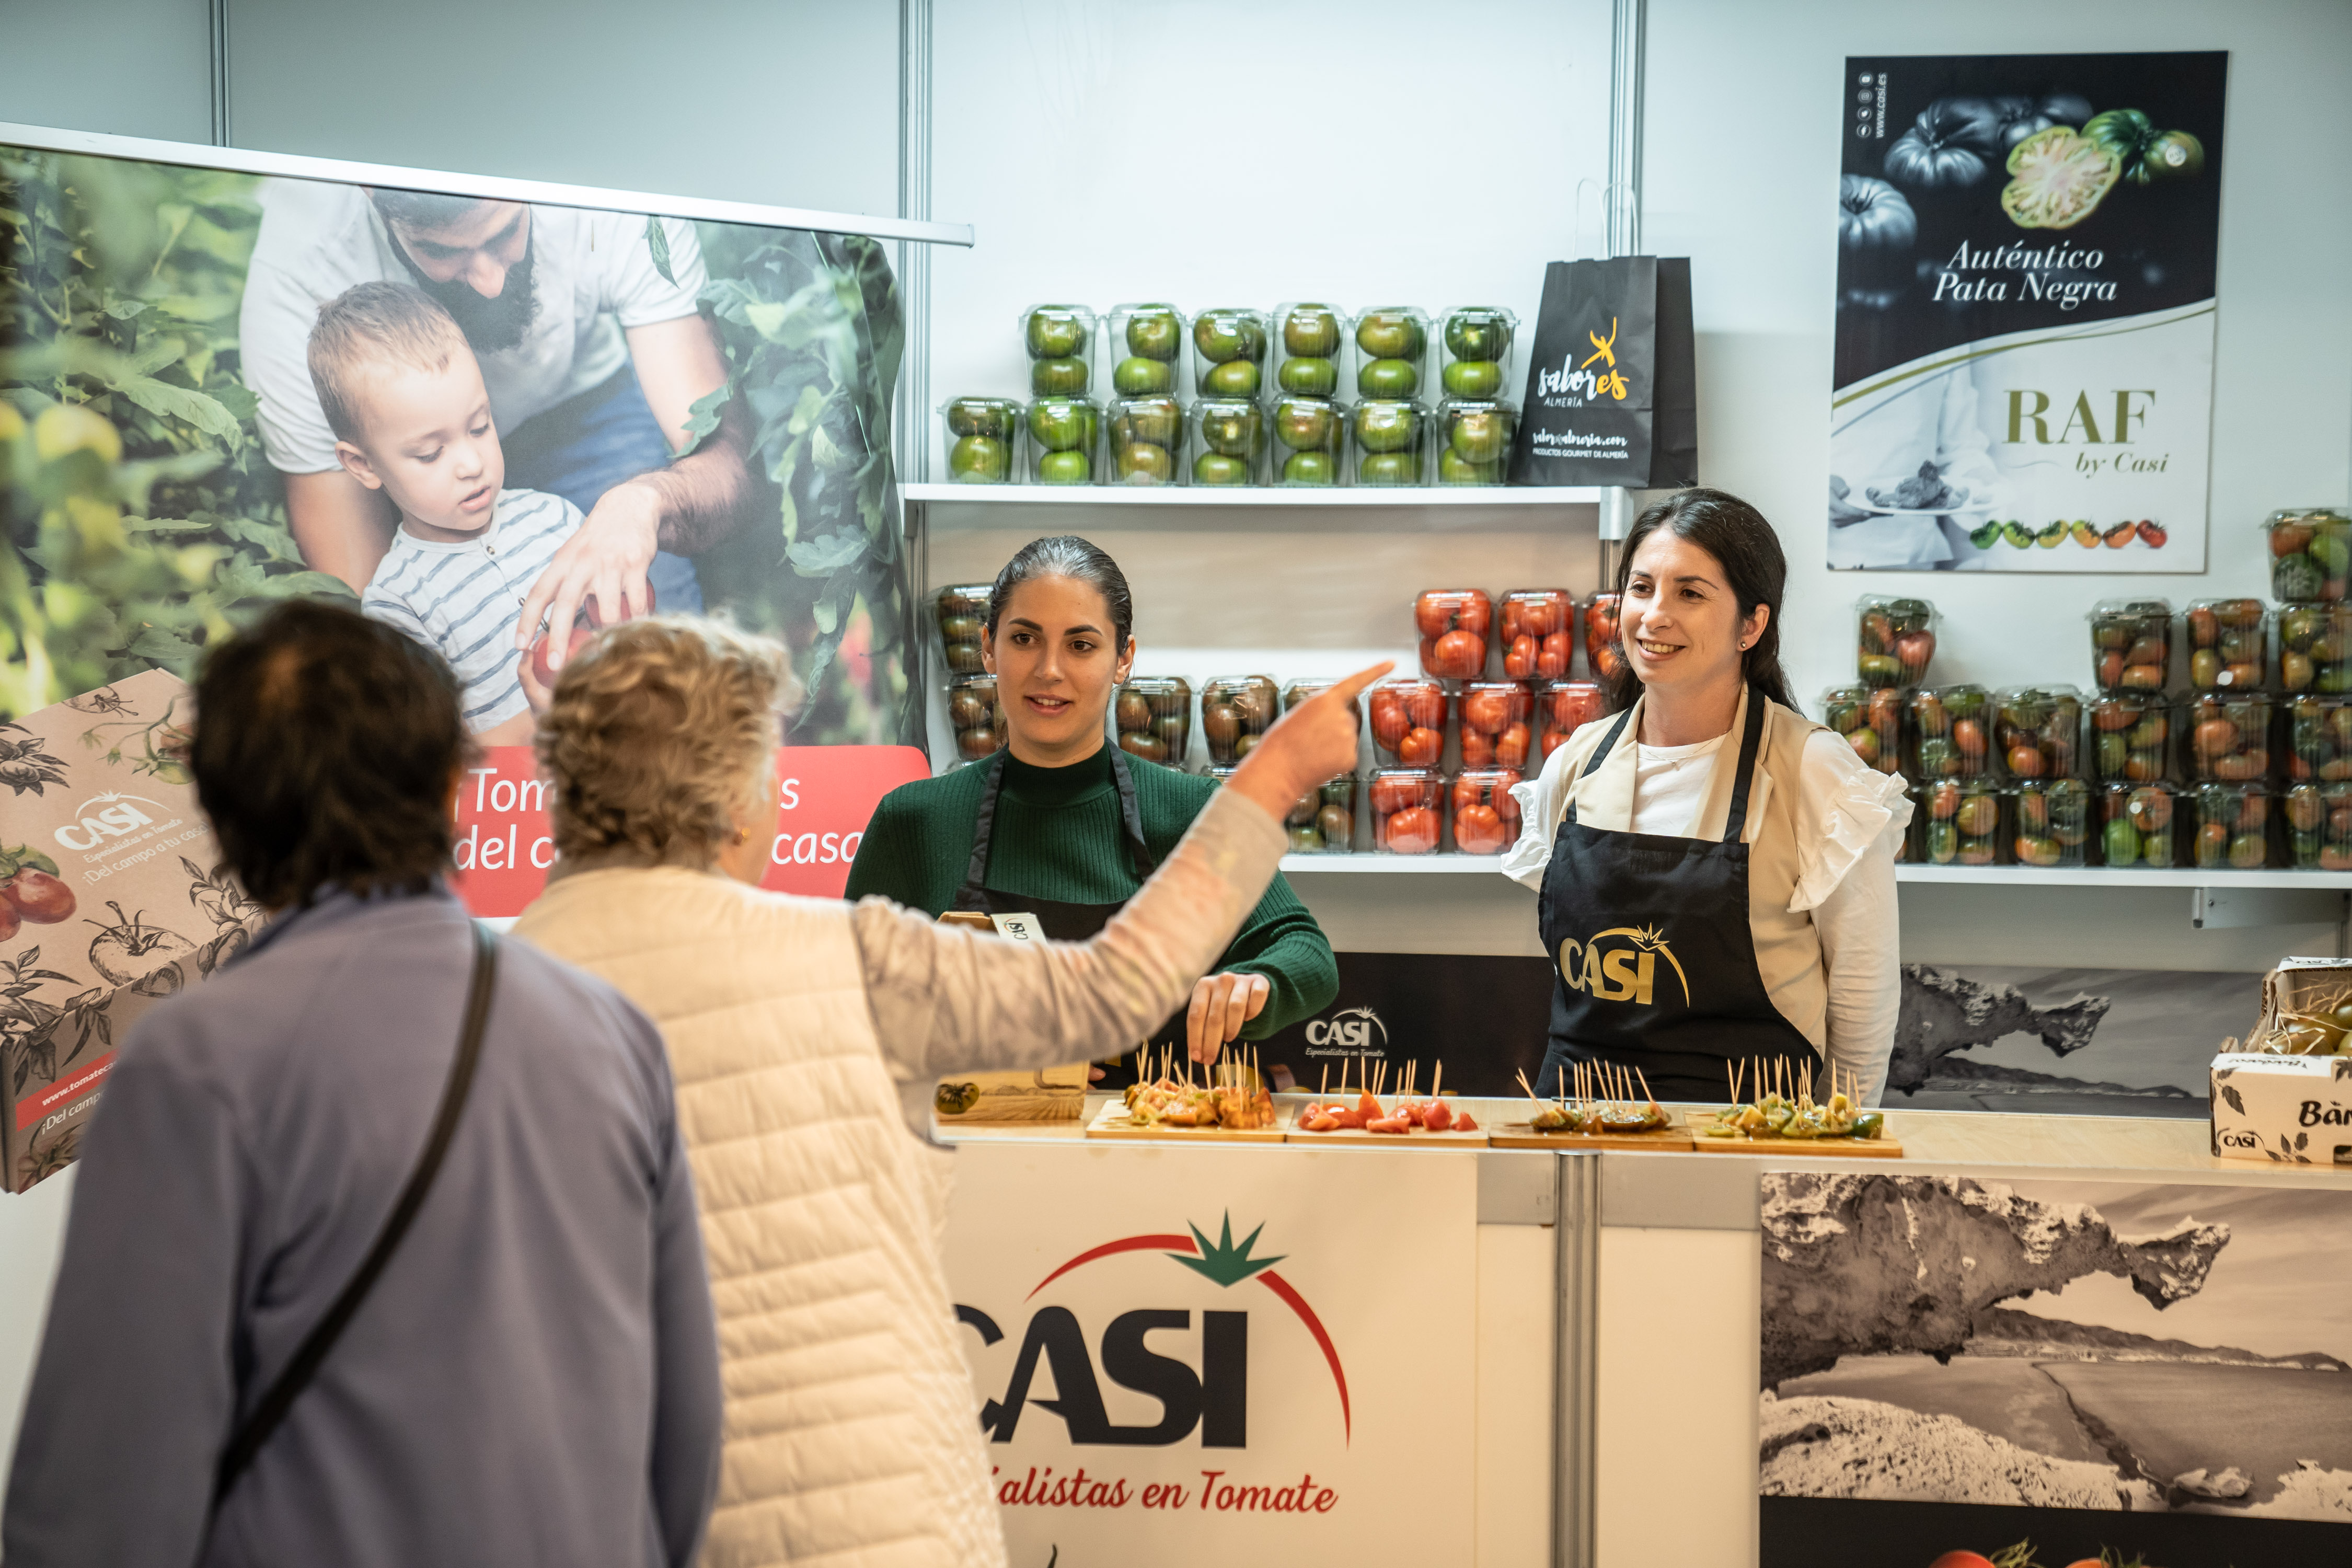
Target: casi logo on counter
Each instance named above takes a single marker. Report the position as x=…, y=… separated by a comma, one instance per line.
x=1351, y=1031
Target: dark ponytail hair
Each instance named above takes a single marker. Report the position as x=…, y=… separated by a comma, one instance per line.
x=1737, y=536
x=1081, y=561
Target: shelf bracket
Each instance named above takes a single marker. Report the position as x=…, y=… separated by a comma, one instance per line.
x=2225, y=909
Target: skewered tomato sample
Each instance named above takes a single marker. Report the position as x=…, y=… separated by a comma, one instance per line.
x=1960, y=824
x=2131, y=644
x=2226, y=739
x=1228, y=351
x=1409, y=714
x=1454, y=624
x=983, y=439
x=1236, y=711
x=1065, y=441
x=1474, y=439
x=1390, y=436
x=2311, y=554
x=961, y=614
x=1896, y=639
x=1602, y=658
x=971, y=713
x=2051, y=819
x=1539, y=633
x=1495, y=724
x=1486, y=817
x=1872, y=722
x=2130, y=739
x=2227, y=642
x=2137, y=826
x=2319, y=827
x=1324, y=820
x=1060, y=340
x=2233, y=827
x=1310, y=343
x=1951, y=733
x=1144, y=434
x=2315, y=648
x=1146, y=342
x=1311, y=441
x=1228, y=442
x=1408, y=808
x=1561, y=709
x=2319, y=739
x=1154, y=718
x=2038, y=731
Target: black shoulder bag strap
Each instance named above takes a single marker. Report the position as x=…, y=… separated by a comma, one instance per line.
x=256, y=1427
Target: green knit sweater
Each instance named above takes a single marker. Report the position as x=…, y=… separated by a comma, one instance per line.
x=1058, y=836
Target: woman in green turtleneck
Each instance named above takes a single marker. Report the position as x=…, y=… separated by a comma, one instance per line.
x=1065, y=826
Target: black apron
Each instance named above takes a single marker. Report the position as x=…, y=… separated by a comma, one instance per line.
x=1065, y=921
x=1653, y=961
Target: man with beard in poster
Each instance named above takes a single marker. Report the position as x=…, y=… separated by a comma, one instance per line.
x=594, y=356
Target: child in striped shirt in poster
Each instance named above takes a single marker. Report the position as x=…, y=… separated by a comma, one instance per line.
x=404, y=394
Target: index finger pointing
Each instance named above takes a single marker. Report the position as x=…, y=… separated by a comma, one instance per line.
x=1346, y=691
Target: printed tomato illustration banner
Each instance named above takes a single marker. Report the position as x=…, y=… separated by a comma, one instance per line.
x=2025, y=311
x=825, y=796
x=1178, y=1359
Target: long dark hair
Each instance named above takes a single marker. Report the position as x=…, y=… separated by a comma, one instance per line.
x=1737, y=536
x=1080, y=560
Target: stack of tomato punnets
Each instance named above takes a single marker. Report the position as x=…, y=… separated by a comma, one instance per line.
x=2037, y=736
x=1895, y=641
x=2311, y=563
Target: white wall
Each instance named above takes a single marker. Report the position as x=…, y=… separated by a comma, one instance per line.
x=32, y=1235
x=127, y=67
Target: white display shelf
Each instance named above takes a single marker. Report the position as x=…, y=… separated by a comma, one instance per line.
x=1154, y=497
x=1966, y=876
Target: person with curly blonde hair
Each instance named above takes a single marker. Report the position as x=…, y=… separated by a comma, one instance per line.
x=805, y=1035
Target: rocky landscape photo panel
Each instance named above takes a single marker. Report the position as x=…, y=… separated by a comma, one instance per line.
x=2055, y=1346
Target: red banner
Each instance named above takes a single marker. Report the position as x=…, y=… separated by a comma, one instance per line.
x=825, y=795
x=32, y=1108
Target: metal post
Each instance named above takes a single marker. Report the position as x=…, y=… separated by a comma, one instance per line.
x=220, y=72
x=1576, y=1232
x=913, y=403
x=1628, y=31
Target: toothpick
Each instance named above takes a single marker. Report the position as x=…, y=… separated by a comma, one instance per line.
x=1646, y=1095
x=1438, y=1087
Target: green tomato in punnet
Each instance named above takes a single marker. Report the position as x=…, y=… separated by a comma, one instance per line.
x=1387, y=427
x=1058, y=377
x=1138, y=375
x=1479, y=335
x=1388, y=378
x=1311, y=332
x=1389, y=468
x=1154, y=334
x=1055, y=332
x=1216, y=469
x=1305, y=424
x=1308, y=468
x=978, y=459
x=1471, y=378
x=1389, y=334
x=1310, y=377
x=1453, y=468
x=1065, y=469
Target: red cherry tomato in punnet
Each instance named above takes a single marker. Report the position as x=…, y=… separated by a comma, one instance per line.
x=1489, y=712
x=1433, y=615
x=1388, y=721
x=1551, y=659
x=1425, y=706
x=1478, y=830
x=1477, y=749
x=1413, y=831
x=1510, y=748
x=1519, y=659
x=1420, y=748
x=1456, y=656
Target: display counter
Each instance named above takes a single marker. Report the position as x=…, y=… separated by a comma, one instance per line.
x=1607, y=1345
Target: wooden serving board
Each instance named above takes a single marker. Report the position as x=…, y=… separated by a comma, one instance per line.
x=1112, y=1122
x=1885, y=1146
x=1522, y=1135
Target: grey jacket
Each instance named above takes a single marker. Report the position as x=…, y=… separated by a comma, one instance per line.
x=534, y=1379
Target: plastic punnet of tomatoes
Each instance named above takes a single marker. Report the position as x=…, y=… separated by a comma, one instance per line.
x=1324, y=820
x=1228, y=441
x=1392, y=439
x=961, y=614
x=1065, y=441
x=2130, y=739
x=2315, y=648
x=1310, y=437
x=2319, y=739
x=2234, y=827
x=1154, y=718
x=2228, y=639
x=1561, y=709
x=971, y=711
x=2226, y=738
x=983, y=439
x=1896, y=639
x=2050, y=822
x=1392, y=348
x=1474, y=350
x=1229, y=351
x=1310, y=349
x=1147, y=344
x=1497, y=724
x=2319, y=827
x=1409, y=714
x=1602, y=658
x=1060, y=341
x=2131, y=644
x=1950, y=734
x=1474, y=439
x=2311, y=554
x=1408, y=808
x=1236, y=709
x=1454, y=624
x=2038, y=731
x=1871, y=721
x=1301, y=687
x=1484, y=817
x=2137, y=826
x=1959, y=823
x=1145, y=433
x=1539, y=633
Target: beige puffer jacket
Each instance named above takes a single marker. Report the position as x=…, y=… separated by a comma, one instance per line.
x=804, y=1037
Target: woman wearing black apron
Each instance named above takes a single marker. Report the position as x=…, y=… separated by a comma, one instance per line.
x=1065, y=827
x=1716, y=874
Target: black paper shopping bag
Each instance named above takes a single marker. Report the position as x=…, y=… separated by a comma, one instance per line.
x=1612, y=394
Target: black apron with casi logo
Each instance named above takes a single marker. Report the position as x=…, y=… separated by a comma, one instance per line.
x=1063, y=922
x=1653, y=961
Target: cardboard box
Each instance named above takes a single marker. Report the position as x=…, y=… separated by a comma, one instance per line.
x=2298, y=985
x=110, y=902
x=2287, y=1111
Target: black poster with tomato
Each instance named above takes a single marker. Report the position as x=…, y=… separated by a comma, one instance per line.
x=1612, y=383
